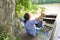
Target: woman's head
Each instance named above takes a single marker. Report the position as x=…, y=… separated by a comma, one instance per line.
x=26, y=17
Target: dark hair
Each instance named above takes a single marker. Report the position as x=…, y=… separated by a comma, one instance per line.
x=26, y=17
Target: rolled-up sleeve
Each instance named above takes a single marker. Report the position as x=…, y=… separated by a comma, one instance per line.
x=21, y=19
x=34, y=22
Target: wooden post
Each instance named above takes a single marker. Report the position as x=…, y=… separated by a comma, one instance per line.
x=53, y=31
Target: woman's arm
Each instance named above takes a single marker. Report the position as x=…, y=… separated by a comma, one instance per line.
x=21, y=19
x=42, y=15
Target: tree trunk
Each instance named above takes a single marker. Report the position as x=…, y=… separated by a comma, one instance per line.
x=7, y=10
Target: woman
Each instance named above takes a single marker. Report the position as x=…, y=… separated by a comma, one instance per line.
x=30, y=24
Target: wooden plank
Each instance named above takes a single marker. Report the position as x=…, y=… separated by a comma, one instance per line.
x=49, y=18
x=52, y=32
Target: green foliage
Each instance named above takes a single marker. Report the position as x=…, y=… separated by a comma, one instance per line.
x=25, y=5
x=43, y=9
x=34, y=6
x=7, y=38
x=22, y=6
x=18, y=37
x=3, y=34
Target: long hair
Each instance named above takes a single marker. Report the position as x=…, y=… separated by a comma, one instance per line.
x=26, y=17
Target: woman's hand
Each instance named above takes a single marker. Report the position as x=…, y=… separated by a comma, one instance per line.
x=43, y=14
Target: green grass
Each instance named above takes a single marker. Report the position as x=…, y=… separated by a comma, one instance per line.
x=18, y=37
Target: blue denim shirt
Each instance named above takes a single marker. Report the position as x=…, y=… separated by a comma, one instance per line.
x=30, y=26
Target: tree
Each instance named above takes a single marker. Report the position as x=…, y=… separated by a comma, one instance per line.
x=7, y=9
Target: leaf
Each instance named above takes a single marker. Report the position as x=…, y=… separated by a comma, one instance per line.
x=43, y=9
